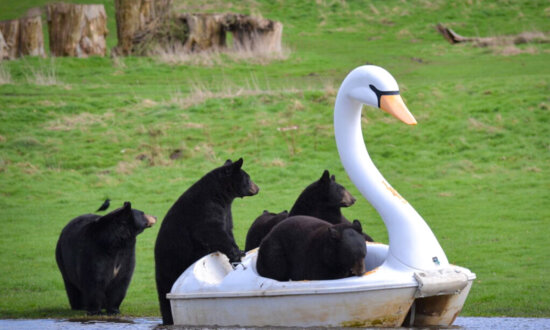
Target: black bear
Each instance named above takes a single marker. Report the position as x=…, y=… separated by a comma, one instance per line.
x=322, y=199
x=307, y=248
x=96, y=257
x=199, y=223
x=261, y=227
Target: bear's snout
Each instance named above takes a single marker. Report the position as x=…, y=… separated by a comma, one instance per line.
x=348, y=199
x=359, y=268
x=151, y=220
x=253, y=189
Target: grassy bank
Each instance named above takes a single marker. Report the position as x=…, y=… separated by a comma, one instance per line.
x=75, y=131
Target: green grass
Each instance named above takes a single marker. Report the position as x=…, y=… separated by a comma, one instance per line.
x=475, y=167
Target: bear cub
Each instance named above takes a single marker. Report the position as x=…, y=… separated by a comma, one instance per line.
x=199, y=223
x=307, y=248
x=96, y=257
x=322, y=199
x=261, y=227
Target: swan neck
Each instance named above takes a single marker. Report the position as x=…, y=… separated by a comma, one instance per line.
x=411, y=241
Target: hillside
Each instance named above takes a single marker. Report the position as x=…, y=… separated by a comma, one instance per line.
x=476, y=167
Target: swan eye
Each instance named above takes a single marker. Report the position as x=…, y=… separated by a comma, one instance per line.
x=379, y=93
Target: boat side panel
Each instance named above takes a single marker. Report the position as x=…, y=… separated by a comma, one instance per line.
x=440, y=310
x=376, y=308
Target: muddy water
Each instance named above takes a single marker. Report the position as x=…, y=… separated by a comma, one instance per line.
x=466, y=323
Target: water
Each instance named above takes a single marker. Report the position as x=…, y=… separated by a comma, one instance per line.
x=466, y=323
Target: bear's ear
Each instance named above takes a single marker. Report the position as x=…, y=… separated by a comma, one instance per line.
x=120, y=213
x=357, y=226
x=126, y=207
x=227, y=162
x=238, y=164
x=334, y=233
x=325, y=177
x=333, y=178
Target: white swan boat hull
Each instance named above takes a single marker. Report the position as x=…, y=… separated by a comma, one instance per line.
x=212, y=293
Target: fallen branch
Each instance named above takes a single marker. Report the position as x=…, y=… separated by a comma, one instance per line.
x=522, y=38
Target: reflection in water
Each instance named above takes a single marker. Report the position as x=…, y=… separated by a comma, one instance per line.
x=466, y=323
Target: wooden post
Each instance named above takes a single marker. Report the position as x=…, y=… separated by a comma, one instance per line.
x=77, y=30
x=134, y=19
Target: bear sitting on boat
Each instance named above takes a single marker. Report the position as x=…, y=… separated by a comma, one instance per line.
x=261, y=227
x=322, y=199
x=307, y=248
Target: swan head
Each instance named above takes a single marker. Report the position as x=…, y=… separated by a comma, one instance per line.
x=376, y=87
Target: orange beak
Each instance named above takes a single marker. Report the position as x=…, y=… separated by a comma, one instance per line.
x=394, y=105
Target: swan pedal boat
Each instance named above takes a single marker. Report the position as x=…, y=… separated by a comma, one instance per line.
x=408, y=282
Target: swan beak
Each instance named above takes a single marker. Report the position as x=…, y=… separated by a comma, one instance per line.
x=394, y=105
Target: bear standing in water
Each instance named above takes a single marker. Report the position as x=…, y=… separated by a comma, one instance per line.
x=307, y=248
x=199, y=223
x=96, y=257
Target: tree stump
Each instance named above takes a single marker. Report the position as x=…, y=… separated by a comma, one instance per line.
x=77, y=30
x=205, y=32
x=10, y=31
x=3, y=48
x=135, y=20
x=31, y=38
x=255, y=34
x=22, y=37
x=146, y=27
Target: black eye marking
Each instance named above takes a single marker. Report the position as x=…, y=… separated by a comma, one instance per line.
x=379, y=93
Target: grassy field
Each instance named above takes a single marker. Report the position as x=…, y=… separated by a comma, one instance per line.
x=75, y=131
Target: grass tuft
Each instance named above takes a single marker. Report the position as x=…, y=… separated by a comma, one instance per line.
x=5, y=76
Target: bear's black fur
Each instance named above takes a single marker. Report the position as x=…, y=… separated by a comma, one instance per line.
x=261, y=227
x=96, y=257
x=307, y=248
x=199, y=223
x=322, y=199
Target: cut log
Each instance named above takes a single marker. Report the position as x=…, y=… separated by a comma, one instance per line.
x=77, y=30
x=135, y=19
